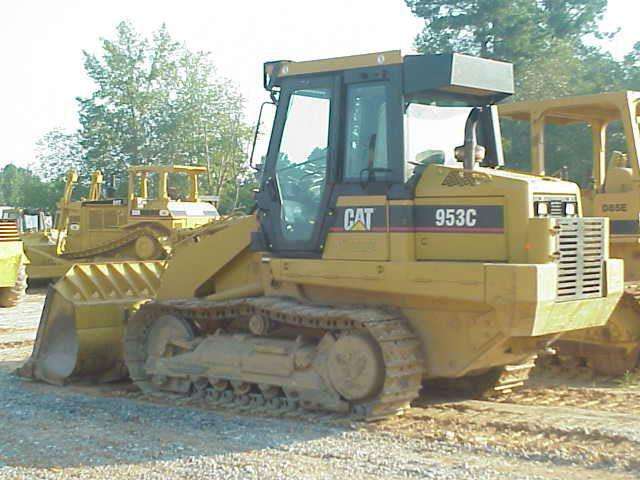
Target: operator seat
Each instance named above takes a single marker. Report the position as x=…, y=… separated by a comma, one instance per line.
x=619, y=176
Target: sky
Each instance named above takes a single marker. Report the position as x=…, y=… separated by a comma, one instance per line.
x=41, y=44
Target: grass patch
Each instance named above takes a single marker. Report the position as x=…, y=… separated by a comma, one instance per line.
x=630, y=379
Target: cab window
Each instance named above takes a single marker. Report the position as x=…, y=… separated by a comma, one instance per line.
x=301, y=166
x=366, y=155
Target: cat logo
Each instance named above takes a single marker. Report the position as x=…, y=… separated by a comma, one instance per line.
x=358, y=219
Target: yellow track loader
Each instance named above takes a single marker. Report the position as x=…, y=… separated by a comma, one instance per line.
x=388, y=248
x=614, y=193
x=143, y=226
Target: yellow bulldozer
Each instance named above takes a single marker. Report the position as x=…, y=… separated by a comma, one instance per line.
x=388, y=248
x=13, y=278
x=614, y=192
x=143, y=226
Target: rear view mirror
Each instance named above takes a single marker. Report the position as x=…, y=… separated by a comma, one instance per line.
x=262, y=142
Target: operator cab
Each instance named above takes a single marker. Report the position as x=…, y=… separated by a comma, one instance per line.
x=369, y=125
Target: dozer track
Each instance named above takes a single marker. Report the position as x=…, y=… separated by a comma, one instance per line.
x=632, y=295
x=616, y=349
x=388, y=333
x=113, y=245
x=489, y=385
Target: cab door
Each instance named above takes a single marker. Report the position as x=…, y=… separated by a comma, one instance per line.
x=296, y=187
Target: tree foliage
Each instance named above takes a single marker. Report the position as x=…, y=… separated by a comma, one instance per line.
x=21, y=188
x=504, y=29
x=157, y=102
x=56, y=153
x=632, y=68
x=41, y=185
x=545, y=39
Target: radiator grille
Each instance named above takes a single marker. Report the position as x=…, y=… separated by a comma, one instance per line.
x=556, y=208
x=9, y=231
x=581, y=251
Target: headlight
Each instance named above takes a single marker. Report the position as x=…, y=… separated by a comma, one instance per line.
x=570, y=209
x=542, y=209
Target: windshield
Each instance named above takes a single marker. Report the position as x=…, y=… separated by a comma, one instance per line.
x=432, y=133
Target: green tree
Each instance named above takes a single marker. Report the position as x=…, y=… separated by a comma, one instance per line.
x=632, y=68
x=504, y=29
x=156, y=102
x=56, y=153
x=11, y=186
x=545, y=39
x=496, y=28
x=19, y=187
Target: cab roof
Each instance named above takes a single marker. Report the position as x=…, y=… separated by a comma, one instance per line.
x=479, y=80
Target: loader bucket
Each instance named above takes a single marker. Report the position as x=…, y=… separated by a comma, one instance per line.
x=82, y=324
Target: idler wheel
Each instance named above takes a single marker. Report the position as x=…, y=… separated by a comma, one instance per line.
x=356, y=367
x=259, y=325
x=146, y=247
x=162, y=338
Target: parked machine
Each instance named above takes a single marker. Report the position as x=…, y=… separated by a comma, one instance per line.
x=388, y=248
x=13, y=279
x=143, y=226
x=29, y=220
x=614, y=192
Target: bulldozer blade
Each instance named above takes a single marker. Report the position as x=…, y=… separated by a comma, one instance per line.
x=81, y=330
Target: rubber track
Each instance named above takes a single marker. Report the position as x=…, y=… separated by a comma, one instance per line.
x=400, y=347
x=111, y=246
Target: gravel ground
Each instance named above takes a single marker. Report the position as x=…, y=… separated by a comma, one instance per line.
x=94, y=433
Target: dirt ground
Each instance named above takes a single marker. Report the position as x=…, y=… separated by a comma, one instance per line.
x=564, y=424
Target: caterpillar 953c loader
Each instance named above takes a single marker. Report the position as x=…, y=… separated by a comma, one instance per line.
x=388, y=247
x=143, y=226
x=614, y=193
x=13, y=279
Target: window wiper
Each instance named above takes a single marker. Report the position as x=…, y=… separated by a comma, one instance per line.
x=370, y=170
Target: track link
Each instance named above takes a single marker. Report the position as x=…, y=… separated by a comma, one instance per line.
x=112, y=246
x=399, y=346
